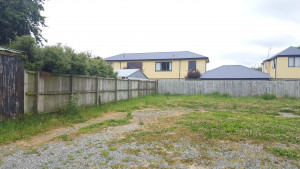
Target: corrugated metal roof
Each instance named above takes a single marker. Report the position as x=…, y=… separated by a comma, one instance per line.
x=126, y=72
x=290, y=51
x=131, y=73
x=11, y=50
x=232, y=72
x=156, y=56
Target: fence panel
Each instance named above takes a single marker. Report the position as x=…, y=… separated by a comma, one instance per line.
x=45, y=92
x=236, y=88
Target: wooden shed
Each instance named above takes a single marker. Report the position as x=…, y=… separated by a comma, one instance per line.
x=11, y=84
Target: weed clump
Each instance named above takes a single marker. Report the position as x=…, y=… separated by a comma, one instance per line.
x=267, y=96
x=217, y=95
x=293, y=153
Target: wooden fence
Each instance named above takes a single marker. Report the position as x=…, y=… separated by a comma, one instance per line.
x=45, y=92
x=11, y=86
x=236, y=88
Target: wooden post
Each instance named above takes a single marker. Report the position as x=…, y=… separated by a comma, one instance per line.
x=97, y=91
x=37, y=85
x=116, y=89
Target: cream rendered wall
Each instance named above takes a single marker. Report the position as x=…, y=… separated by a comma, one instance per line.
x=200, y=65
x=271, y=69
x=284, y=71
x=149, y=68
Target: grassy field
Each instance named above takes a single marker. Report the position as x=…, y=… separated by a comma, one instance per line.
x=208, y=118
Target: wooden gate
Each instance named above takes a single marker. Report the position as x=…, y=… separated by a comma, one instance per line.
x=11, y=85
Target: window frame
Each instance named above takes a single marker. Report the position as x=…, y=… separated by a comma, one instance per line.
x=274, y=65
x=135, y=67
x=189, y=65
x=294, y=61
x=161, y=67
x=111, y=64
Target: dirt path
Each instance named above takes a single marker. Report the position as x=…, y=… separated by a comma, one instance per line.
x=146, y=116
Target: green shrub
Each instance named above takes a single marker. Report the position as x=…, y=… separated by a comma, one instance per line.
x=72, y=106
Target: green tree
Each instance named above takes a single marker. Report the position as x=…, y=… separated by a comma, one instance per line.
x=98, y=67
x=60, y=59
x=33, y=59
x=20, y=17
x=56, y=60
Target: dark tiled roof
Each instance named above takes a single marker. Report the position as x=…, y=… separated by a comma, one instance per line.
x=155, y=56
x=234, y=72
x=290, y=51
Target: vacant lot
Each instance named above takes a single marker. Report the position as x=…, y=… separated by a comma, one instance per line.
x=159, y=131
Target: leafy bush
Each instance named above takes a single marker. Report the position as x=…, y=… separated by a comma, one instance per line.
x=267, y=96
x=60, y=59
x=193, y=74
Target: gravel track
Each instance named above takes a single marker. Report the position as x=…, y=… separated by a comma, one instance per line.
x=92, y=151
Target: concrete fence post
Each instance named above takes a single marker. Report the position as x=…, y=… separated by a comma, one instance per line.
x=129, y=87
x=139, y=88
x=97, y=91
x=37, y=85
x=116, y=89
x=71, y=86
x=156, y=86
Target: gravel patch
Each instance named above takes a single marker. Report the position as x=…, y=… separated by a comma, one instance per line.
x=92, y=151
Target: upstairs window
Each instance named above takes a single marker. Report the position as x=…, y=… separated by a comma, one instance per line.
x=266, y=65
x=111, y=64
x=192, y=65
x=294, y=61
x=135, y=65
x=274, y=63
x=163, y=66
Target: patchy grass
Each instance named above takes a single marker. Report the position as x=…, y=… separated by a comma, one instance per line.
x=63, y=137
x=31, y=125
x=214, y=116
x=293, y=153
x=219, y=117
x=237, y=126
x=32, y=151
x=111, y=122
x=132, y=151
x=268, y=96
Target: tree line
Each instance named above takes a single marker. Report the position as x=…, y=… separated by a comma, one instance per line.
x=60, y=59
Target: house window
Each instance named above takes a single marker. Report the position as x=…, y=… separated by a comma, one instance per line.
x=274, y=63
x=134, y=65
x=294, y=61
x=266, y=65
x=192, y=65
x=111, y=64
x=163, y=66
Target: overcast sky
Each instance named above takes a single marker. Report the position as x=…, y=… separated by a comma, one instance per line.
x=229, y=32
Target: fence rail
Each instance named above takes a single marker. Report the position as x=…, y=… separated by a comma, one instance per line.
x=236, y=88
x=45, y=92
